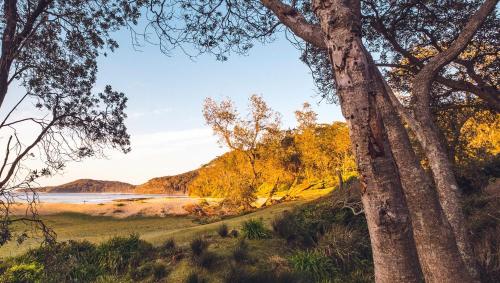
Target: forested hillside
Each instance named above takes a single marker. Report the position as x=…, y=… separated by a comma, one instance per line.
x=90, y=186
x=172, y=185
x=265, y=160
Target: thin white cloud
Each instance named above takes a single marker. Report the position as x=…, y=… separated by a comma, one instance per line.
x=153, y=155
x=153, y=112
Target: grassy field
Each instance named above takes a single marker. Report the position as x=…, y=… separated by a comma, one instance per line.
x=73, y=226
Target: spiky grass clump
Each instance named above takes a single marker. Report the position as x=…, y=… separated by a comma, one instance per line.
x=223, y=230
x=312, y=264
x=255, y=229
x=240, y=252
x=198, y=246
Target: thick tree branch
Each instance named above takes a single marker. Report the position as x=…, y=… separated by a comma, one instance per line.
x=423, y=80
x=296, y=22
x=487, y=93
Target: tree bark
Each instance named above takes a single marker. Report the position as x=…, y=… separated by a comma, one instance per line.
x=434, y=237
x=387, y=215
x=428, y=133
x=9, y=32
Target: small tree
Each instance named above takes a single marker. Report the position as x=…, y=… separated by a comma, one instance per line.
x=242, y=134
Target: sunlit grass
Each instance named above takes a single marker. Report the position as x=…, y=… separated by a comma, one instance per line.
x=96, y=229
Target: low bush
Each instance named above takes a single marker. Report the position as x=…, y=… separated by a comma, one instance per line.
x=234, y=233
x=120, y=254
x=69, y=261
x=22, y=273
x=240, y=252
x=255, y=229
x=169, y=245
x=312, y=264
x=198, y=246
x=151, y=269
x=223, y=230
x=159, y=270
x=206, y=260
x=349, y=250
x=305, y=225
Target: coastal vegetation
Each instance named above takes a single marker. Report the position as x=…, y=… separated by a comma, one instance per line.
x=406, y=190
x=295, y=241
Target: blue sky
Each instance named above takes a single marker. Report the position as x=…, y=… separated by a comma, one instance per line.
x=166, y=93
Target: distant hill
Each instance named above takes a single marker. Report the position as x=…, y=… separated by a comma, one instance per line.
x=90, y=186
x=173, y=185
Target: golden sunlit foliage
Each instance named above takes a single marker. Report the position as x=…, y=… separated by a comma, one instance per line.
x=278, y=160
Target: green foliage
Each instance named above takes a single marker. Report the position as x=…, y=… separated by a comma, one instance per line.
x=350, y=251
x=123, y=253
x=23, y=273
x=152, y=269
x=198, y=246
x=313, y=264
x=255, y=229
x=223, y=230
x=281, y=160
x=155, y=270
x=304, y=226
x=66, y=261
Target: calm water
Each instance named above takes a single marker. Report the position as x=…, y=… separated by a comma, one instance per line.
x=91, y=197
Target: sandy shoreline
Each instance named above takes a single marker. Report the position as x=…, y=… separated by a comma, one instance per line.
x=119, y=208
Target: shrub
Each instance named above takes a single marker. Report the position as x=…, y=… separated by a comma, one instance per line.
x=198, y=246
x=23, y=273
x=169, y=245
x=312, y=264
x=120, y=253
x=234, y=233
x=206, y=260
x=349, y=249
x=304, y=226
x=254, y=229
x=156, y=270
x=159, y=270
x=193, y=277
x=240, y=252
x=223, y=230
x=66, y=261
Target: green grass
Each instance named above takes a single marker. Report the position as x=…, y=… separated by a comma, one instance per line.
x=156, y=230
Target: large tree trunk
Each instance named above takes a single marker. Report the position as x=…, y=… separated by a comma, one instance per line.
x=388, y=218
x=435, y=241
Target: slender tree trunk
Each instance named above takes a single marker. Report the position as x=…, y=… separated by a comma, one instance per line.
x=428, y=133
x=447, y=187
x=387, y=215
x=10, y=19
x=435, y=241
